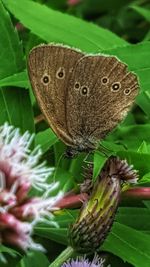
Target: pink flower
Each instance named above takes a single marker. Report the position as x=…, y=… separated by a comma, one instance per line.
x=19, y=171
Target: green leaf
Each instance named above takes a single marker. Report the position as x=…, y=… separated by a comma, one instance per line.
x=57, y=235
x=16, y=108
x=131, y=245
x=138, y=218
x=64, y=219
x=77, y=166
x=35, y=259
x=57, y=27
x=18, y=79
x=65, y=179
x=99, y=161
x=147, y=37
x=137, y=62
x=8, y=256
x=147, y=203
x=13, y=102
x=143, y=101
x=142, y=11
x=11, y=57
x=143, y=148
x=145, y=179
x=8, y=250
x=130, y=136
x=46, y=139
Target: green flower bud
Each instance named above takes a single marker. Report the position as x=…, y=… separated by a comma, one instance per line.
x=97, y=214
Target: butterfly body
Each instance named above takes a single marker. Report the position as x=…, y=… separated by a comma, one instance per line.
x=83, y=97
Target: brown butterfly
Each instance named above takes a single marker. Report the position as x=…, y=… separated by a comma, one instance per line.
x=82, y=96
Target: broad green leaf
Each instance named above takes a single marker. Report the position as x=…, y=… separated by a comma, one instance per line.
x=16, y=108
x=99, y=161
x=110, y=146
x=147, y=37
x=131, y=245
x=143, y=100
x=58, y=235
x=11, y=56
x=142, y=11
x=131, y=136
x=138, y=218
x=140, y=54
x=147, y=203
x=18, y=79
x=35, y=259
x=57, y=27
x=136, y=57
x=143, y=75
x=46, y=139
x=15, y=103
x=64, y=219
x=65, y=179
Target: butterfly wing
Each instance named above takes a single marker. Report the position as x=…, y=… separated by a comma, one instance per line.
x=50, y=68
x=99, y=95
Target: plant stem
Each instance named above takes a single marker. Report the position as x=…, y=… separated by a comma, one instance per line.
x=64, y=256
x=73, y=200
x=141, y=193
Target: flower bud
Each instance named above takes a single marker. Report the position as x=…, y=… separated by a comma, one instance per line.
x=97, y=214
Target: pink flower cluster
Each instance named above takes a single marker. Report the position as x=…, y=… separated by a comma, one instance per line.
x=19, y=171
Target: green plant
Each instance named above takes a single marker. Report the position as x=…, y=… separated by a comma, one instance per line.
x=127, y=36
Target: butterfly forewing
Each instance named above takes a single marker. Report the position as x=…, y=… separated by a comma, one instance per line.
x=50, y=68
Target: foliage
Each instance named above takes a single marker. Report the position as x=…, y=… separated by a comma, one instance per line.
x=118, y=28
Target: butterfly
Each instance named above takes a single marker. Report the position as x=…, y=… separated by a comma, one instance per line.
x=82, y=96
